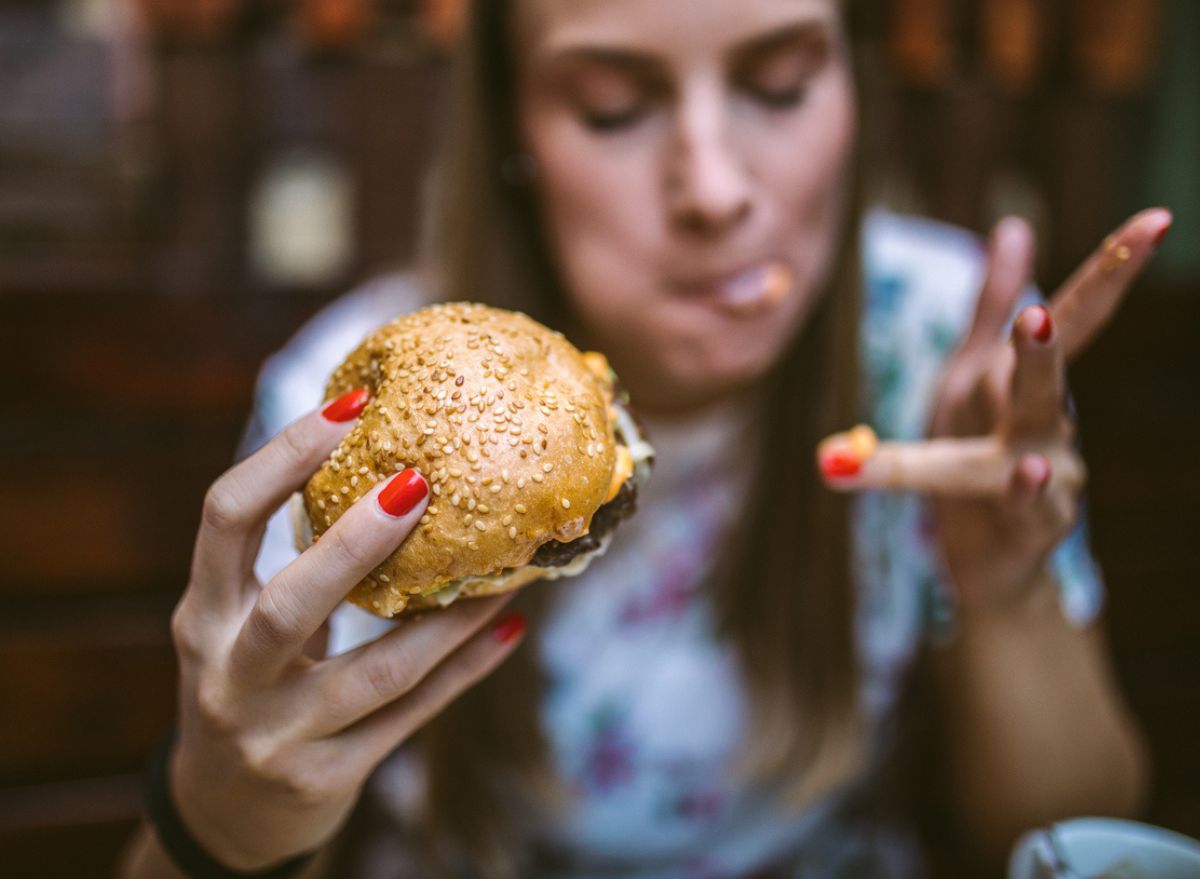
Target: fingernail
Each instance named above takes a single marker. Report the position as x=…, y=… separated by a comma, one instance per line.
x=510, y=627
x=1161, y=235
x=840, y=463
x=1044, y=479
x=348, y=406
x=1044, y=329
x=403, y=493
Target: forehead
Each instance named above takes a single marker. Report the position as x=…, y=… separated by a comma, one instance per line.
x=683, y=28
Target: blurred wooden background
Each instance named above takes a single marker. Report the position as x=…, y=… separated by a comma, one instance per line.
x=151, y=151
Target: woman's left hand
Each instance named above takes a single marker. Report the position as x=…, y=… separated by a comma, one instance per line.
x=1002, y=465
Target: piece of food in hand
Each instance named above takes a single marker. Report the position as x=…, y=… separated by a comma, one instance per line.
x=842, y=455
x=530, y=450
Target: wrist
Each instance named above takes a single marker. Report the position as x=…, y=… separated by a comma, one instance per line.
x=201, y=816
x=1033, y=597
x=195, y=845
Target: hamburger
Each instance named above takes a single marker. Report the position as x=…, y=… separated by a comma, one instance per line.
x=529, y=447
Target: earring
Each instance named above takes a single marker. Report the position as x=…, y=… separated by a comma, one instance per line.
x=519, y=169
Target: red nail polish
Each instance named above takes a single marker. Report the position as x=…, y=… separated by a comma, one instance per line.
x=1045, y=328
x=840, y=464
x=510, y=628
x=348, y=406
x=1044, y=480
x=1162, y=233
x=403, y=493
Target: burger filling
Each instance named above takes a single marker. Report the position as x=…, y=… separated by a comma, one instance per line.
x=555, y=553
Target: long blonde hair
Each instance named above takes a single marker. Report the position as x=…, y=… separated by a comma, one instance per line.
x=783, y=592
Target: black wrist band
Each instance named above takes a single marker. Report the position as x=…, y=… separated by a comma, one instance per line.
x=184, y=851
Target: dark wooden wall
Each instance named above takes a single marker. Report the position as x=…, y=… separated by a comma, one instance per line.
x=133, y=328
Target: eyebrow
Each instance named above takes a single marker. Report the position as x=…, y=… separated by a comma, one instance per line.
x=646, y=62
x=780, y=37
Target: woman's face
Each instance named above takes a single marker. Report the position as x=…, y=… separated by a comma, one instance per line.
x=691, y=173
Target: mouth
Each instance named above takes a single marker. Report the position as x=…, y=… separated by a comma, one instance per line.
x=748, y=291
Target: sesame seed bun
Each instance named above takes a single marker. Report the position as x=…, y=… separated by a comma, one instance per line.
x=511, y=425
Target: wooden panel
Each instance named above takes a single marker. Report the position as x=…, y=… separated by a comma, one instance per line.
x=75, y=829
x=83, y=697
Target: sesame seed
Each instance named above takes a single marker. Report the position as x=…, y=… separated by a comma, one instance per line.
x=495, y=489
x=504, y=474
x=537, y=477
x=483, y=508
x=354, y=480
x=566, y=504
x=512, y=532
x=480, y=525
x=425, y=519
x=345, y=489
x=520, y=508
x=547, y=467
x=385, y=578
x=507, y=520
x=521, y=482
x=467, y=519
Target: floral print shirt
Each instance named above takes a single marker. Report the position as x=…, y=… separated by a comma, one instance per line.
x=644, y=711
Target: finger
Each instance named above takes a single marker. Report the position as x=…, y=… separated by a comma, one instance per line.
x=356, y=684
x=981, y=468
x=1030, y=477
x=975, y=467
x=1039, y=506
x=1090, y=297
x=373, y=738
x=1037, y=385
x=1009, y=270
x=298, y=600
x=239, y=503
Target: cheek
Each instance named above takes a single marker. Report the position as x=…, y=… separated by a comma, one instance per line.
x=811, y=171
x=599, y=202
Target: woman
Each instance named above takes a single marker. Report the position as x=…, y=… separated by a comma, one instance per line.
x=674, y=184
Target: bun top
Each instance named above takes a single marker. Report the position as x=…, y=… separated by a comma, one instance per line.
x=506, y=420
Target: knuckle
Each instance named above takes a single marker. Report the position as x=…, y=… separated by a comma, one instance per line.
x=386, y=680
x=215, y=707
x=293, y=448
x=221, y=512
x=185, y=633
x=1066, y=514
x=275, y=620
x=347, y=553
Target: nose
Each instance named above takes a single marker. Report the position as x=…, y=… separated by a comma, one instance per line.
x=708, y=186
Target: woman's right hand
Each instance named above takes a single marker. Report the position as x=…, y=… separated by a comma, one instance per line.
x=275, y=743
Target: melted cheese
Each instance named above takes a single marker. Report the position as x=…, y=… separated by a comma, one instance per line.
x=622, y=470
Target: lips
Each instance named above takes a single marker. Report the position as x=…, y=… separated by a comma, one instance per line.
x=750, y=290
